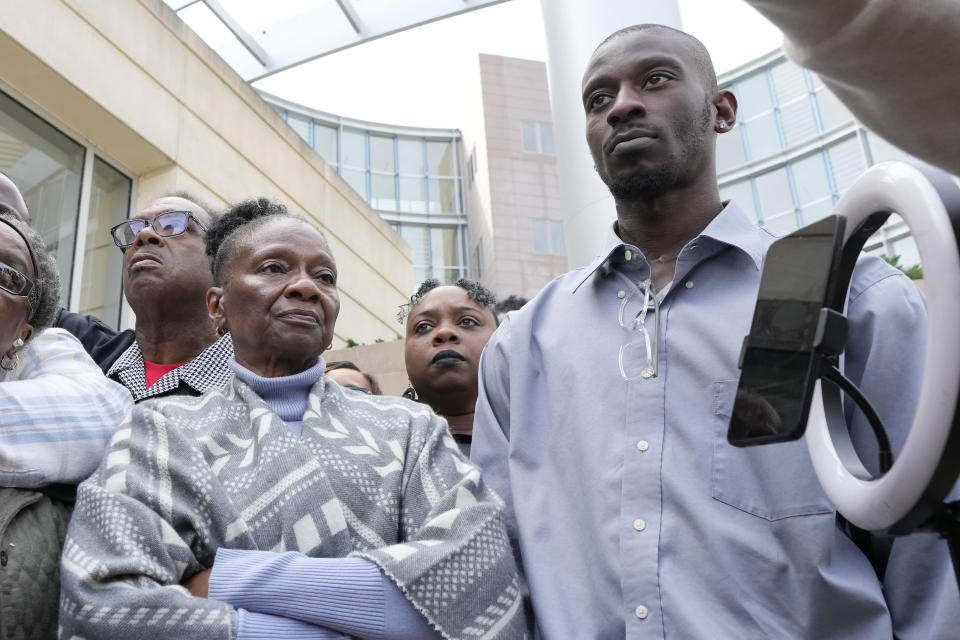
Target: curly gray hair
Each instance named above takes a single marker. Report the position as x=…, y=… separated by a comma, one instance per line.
x=44, y=298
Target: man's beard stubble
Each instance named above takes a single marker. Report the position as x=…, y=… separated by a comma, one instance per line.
x=647, y=185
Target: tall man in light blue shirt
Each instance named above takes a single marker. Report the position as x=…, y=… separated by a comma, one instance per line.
x=633, y=516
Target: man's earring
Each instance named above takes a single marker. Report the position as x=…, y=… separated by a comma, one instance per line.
x=722, y=125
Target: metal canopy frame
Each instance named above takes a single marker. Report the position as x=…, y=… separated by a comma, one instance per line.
x=328, y=27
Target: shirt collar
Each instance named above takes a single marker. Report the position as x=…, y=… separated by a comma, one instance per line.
x=731, y=227
x=207, y=370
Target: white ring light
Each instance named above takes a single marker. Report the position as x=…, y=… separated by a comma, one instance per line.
x=889, y=503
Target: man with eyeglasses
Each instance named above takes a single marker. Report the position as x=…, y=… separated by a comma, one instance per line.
x=604, y=404
x=173, y=348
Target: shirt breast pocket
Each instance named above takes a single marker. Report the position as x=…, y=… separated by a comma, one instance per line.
x=771, y=481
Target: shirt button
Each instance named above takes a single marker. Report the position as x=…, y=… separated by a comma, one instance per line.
x=621, y=294
x=643, y=445
x=639, y=524
x=689, y=284
x=641, y=612
x=628, y=255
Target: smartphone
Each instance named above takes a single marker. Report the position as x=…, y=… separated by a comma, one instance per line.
x=779, y=362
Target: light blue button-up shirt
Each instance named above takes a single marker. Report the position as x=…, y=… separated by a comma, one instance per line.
x=633, y=515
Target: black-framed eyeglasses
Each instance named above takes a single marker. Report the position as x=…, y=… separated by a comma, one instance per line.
x=170, y=223
x=12, y=281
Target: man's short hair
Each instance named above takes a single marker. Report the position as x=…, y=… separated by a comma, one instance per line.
x=699, y=54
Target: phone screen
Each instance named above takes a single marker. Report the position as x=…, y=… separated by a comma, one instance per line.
x=779, y=365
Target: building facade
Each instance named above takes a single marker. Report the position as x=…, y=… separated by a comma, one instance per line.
x=796, y=149
x=410, y=176
x=126, y=104
x=515, y=210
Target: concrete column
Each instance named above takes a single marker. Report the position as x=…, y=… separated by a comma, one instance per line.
x=574, y=28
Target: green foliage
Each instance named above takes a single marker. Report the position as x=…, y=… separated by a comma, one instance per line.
x=379, y=340
x=352, y=343
x=914, y=272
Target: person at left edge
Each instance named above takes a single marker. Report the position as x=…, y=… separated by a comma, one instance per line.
x=173, y=349
x=321, y=511
x=56, y=413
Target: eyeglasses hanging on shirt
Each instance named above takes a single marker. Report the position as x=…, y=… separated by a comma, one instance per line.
x=638, y=355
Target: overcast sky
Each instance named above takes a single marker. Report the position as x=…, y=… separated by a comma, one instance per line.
x=417, y=77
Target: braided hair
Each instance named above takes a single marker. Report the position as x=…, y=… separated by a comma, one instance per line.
x=238, y=223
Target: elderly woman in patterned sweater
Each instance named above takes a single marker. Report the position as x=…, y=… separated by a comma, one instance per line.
x=322, y=511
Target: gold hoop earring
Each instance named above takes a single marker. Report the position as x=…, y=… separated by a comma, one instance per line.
x=6, y=359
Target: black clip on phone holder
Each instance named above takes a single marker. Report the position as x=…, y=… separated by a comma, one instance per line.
x=910, y=496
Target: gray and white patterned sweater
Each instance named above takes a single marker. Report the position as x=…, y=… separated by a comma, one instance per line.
x=370, y=476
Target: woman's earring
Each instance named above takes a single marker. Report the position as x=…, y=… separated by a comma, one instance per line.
x=5, y=362
x=17, y=343
x=410, y=393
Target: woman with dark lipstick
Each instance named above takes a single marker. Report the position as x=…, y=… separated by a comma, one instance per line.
x=447, y=328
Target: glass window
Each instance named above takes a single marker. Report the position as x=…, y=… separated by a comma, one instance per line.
x=906, y=248
x=440, y=158
x=444, y=247
x=325, y=142
x=381, y=154
x=443, y=196
x=742, y=193
x=832, y=112
x=847, y=162
x=556, y=238
x=546, y=138
x=762, y=136
x=357, y=179
x=781, y=224
x=538, y=233
x=416, y=236
x=383, y=192
x=46, y=166
x=410, y=152
x=300, y=124
x=813, y=211
x=451, y=275
x=788, y=81
x=797, y=120
x=810, y=178
x=730, y=150
x=102, y=263
x=528, y=134
x=354, y=148
x=753, y=95
x=773, y=190
x=413, y=195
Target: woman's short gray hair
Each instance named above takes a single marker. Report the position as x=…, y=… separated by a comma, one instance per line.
x=44, y=298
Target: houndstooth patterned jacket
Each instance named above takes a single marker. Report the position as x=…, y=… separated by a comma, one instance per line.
x=371, y=476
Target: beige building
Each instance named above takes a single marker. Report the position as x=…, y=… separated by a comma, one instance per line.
x=105, y=106
x=514, y=207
